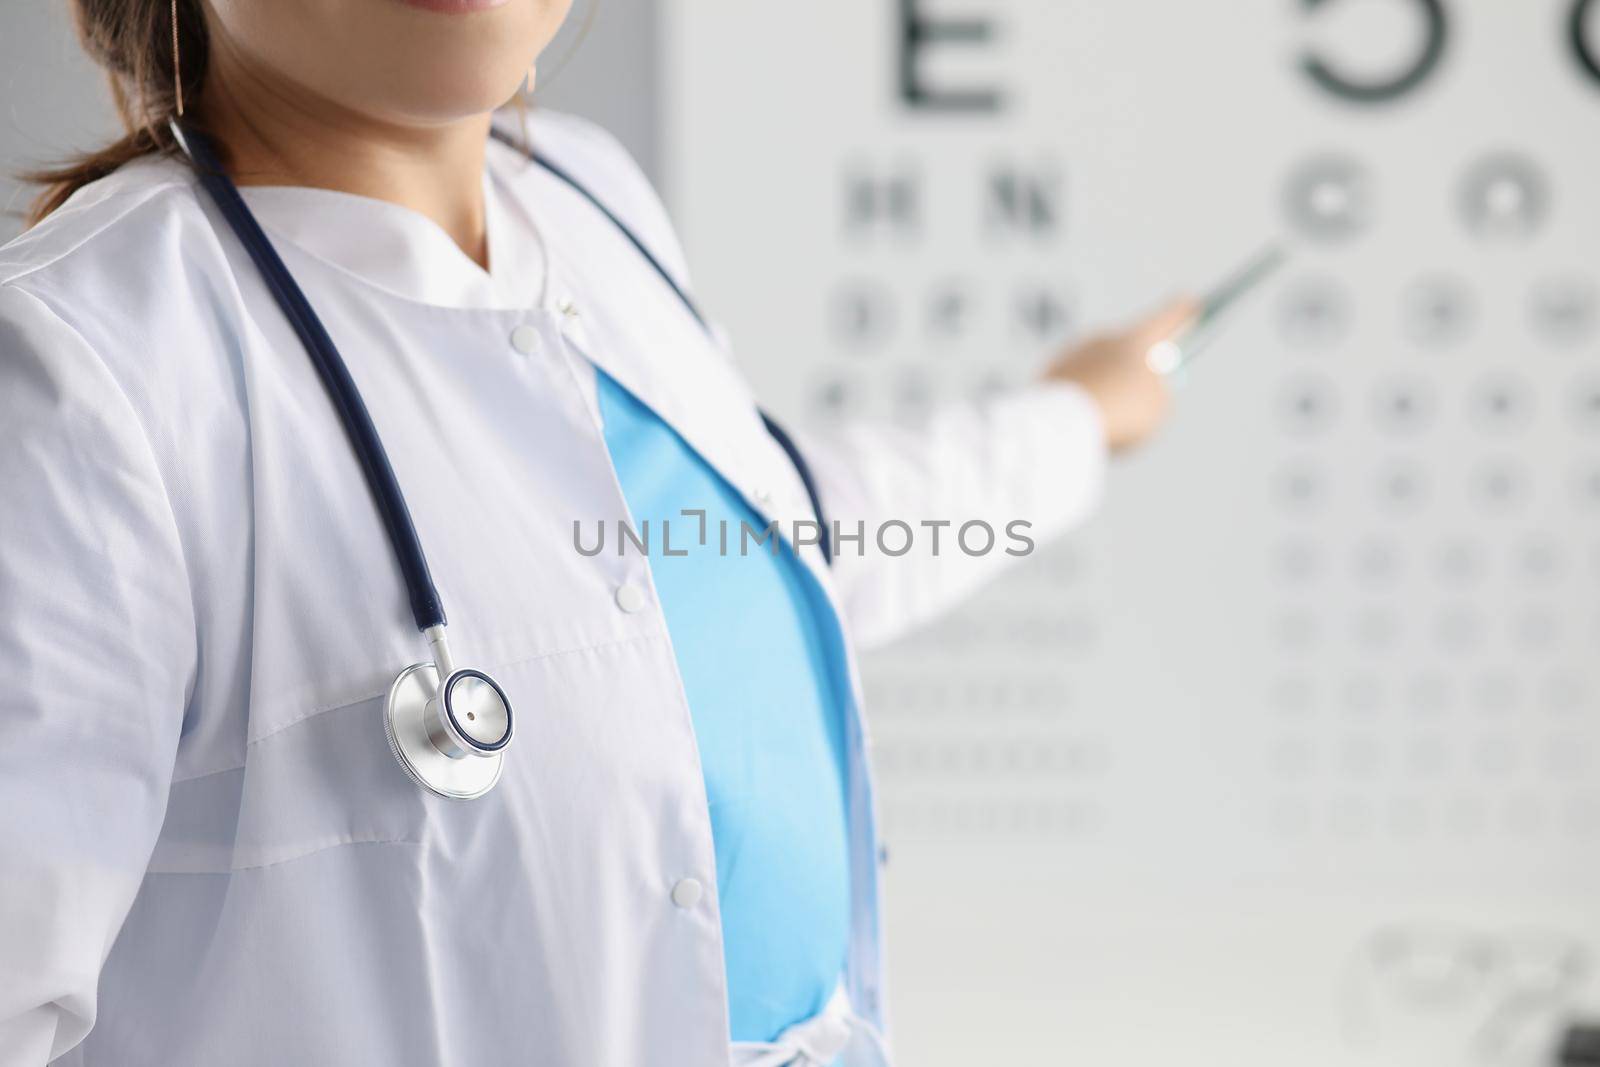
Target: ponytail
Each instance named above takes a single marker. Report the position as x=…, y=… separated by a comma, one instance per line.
x=133, y=42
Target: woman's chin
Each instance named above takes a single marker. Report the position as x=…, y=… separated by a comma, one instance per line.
x=454, y=7
x=427, y=66
x=437, y=95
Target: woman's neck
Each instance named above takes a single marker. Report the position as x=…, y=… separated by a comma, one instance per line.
x=278, y=135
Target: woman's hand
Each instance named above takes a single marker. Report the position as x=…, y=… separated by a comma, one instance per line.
x=1113, y=370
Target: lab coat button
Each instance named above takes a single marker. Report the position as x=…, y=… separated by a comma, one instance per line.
x=686, y=894
x=525, y=339
x=631, y=598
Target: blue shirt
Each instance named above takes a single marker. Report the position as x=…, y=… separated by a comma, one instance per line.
x=750, y=635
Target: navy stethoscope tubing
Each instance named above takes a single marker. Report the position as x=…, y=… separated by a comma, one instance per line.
x=426, y=607
x=448, y=728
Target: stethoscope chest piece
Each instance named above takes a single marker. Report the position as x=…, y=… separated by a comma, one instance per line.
x=450, y=739
x=448, y=728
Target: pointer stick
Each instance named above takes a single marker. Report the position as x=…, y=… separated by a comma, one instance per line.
x=1176, y=352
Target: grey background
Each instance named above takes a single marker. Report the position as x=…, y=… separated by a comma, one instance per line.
x=56, y=101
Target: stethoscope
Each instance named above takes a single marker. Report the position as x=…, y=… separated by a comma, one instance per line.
x=447, y=726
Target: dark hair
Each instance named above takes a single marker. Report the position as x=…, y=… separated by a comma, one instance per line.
x=132, y=41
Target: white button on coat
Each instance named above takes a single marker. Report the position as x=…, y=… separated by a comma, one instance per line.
x=686, y=894
x=525, y=339
x=632, y=598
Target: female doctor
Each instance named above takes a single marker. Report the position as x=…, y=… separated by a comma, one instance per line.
x=309, y=356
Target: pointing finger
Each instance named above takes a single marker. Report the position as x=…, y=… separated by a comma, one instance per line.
x=1166, y=322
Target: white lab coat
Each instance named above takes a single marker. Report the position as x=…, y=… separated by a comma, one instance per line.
x=207, y=852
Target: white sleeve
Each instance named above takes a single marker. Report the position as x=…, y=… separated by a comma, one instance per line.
x=97, y=639
x=1035, y=456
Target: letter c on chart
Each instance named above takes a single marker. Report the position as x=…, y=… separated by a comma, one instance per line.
x=1384, y=90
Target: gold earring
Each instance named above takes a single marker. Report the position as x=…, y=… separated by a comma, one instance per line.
x=177, y=65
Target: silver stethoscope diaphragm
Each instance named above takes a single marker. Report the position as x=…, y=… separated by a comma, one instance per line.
x=450, y=736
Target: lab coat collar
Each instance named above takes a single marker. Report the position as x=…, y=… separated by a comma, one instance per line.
x=406, y=253
x=584, y=273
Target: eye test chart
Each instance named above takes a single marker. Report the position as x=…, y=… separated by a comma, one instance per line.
x=1292, y=755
